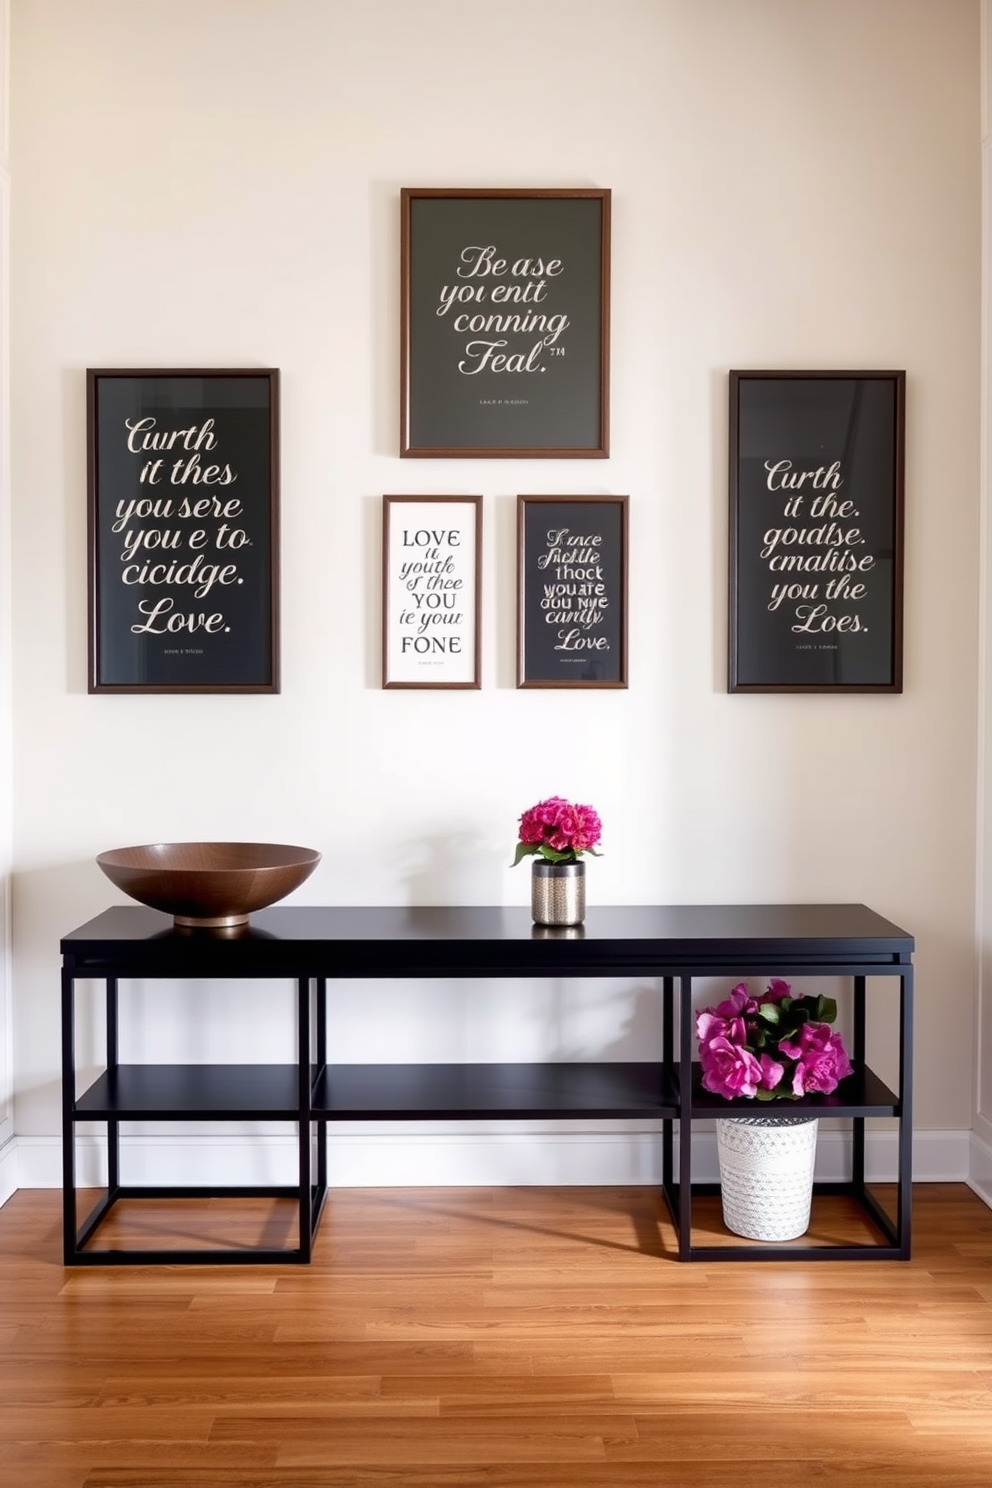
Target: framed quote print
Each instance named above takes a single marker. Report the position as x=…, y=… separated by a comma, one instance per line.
x=505, y=323
x=183, y=530
x=571, y=591
x=431, y=590
x=816, y=531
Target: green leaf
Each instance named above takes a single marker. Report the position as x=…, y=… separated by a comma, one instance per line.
x=552, y=855
x=769, y=1012
x=826, y=1009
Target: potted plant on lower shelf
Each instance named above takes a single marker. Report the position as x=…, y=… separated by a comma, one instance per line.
x=775, y=1047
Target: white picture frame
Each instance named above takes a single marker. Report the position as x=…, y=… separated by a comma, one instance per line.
x=431, y=591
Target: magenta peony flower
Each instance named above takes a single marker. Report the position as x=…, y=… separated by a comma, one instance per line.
x=711, y=1025
x=729, y=1069
x=587, y=830
x=774, y=1043
x=559, y=825
x=739, y=1004
x=531, y=830
x=822, y=1060
x=771, y=1072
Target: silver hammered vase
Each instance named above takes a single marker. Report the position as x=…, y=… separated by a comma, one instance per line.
x=557, y=893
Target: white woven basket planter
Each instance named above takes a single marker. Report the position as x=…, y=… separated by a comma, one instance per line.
x=766, y=1174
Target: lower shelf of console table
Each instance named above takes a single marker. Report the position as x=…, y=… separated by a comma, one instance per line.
x=423, y=1092
x=349, y=1092
x=314, y=1094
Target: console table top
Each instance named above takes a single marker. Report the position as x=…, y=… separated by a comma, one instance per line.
x=479, y=940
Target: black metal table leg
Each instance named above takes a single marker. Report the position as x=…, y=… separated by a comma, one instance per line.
x=113, y=1055
x=685, y=1118
x=319, y=1190
x=303, y=992
x=859, y=1050
x=667, y=1071
x=904, y=1199
x=68, y=1126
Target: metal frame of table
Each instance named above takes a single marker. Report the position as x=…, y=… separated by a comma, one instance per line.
x=311, y=946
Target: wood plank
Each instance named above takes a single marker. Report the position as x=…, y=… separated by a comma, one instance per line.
x=507, y=1338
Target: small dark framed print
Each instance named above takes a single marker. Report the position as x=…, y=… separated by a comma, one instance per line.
x=505, y=323
x=816, y=531
x=431, y=590
x=571, y=591
x=183, y=530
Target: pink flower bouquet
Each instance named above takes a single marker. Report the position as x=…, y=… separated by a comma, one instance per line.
x=559, y=831
x=778, y=1047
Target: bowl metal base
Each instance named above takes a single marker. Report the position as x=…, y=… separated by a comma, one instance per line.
x=213, y=922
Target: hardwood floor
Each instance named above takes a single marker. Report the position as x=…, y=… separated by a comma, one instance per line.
x=494, y=1338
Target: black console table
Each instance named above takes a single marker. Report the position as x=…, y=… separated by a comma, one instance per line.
x=312, y=946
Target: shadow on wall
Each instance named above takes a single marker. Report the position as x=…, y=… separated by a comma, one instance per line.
x=603, y=1019
x=454, y=868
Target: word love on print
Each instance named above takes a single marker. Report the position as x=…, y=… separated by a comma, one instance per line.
x=572, y=591
x=431, y=579
x=183, y=531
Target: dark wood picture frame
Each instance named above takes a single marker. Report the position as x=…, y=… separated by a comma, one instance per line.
x=505, y=317
x=817, y=471
x=183, y=530
x=432, y=592
x=572, y=591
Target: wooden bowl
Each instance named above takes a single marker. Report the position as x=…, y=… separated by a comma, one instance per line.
x=212, y=885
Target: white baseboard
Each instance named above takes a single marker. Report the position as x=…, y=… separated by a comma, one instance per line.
x=374, y=1155
x=8, y=1169
x=980, y=1166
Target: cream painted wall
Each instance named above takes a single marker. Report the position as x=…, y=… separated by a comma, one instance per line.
x=981, y=1163
x=796, y=183
x=6, y=1005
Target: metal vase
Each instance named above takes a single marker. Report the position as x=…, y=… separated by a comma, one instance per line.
x=558, y=893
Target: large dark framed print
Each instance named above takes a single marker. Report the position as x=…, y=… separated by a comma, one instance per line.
x=183, y=530
x=505, y=311
x=431, y=591
x=816, y=531
x=571, y=591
